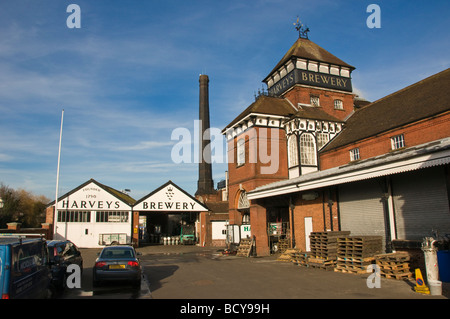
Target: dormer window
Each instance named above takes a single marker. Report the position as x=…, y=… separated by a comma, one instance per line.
x=315, y=100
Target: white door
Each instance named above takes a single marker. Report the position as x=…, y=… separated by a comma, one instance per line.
x=308, y=231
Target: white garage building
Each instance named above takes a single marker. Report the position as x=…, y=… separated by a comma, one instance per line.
x=94, y=214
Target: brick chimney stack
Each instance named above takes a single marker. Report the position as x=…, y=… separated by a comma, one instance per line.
x=205, y=183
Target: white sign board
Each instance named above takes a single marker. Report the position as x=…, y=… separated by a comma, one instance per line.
x=246, y=232
x=92, y=197
x=171, y=198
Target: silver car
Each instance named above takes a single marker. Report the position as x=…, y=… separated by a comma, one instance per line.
x=117, y=263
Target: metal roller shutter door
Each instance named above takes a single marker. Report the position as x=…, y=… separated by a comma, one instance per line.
x=421, y=203
x=361, y=209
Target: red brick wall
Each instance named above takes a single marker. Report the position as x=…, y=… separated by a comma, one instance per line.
x=49, y=214
x=250, y=175
x=258, y=222
x=415, y=134
x=300, y=94
x=319, y=210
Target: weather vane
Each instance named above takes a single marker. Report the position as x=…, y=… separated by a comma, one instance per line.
x=302, y=30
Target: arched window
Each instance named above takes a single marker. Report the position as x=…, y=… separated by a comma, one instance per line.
x=307, y=150
x=293, y=150
x=243, y=202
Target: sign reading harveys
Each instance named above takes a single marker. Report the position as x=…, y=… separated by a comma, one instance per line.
x=92, y=197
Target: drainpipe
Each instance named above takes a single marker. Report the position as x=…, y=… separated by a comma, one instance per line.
x=330, y=204
x=323, y=211
x=292, y=207
x=338, y=208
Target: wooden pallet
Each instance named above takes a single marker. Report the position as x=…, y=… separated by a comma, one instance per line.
x=393, y=257
x=394, y=265
x=350, y=270
x=300, y=258
x=287, y=255
x=325, y=244
x=245, y=247
x=355, y=261
x=400, y=276
x=359, y=246
x=283, y=245
x=321, y=263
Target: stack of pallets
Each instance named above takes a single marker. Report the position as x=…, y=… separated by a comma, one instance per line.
x=394, y=265
x=355, y=253
x=300, y=258
x=283, y=245
x=245, y=247
x=324, y=247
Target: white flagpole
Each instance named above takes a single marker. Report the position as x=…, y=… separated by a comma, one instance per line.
x=57, y=175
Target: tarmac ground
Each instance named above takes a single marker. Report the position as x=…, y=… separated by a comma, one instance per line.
x=193, y=272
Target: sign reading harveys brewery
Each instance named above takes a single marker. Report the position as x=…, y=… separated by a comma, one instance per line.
x=169, y=197
x=298, y=76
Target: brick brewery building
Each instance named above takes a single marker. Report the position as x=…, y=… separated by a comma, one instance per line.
x=310, y=155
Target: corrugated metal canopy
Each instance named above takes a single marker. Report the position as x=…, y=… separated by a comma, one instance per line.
x=413, y=158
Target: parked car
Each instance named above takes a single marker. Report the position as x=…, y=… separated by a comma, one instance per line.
x=117, y=263
x=62, y=253
x=24, y=269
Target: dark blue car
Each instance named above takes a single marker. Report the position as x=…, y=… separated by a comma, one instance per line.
x=62, y=253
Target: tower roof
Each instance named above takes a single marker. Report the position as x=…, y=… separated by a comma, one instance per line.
x=265, y=105
x=306, y=49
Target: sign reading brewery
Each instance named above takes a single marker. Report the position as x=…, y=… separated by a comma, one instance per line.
x=94, y=196
x=298, y=76
x=169, y=197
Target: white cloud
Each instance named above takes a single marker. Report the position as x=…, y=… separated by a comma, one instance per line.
x=6, y=158
x=144, y=145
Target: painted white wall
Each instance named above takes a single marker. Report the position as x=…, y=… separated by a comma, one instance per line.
x=219, y=229
x=76, y=232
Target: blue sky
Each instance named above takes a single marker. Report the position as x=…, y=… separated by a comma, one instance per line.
x=129, y=76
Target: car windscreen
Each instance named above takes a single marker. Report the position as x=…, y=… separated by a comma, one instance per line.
x=117, y=253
